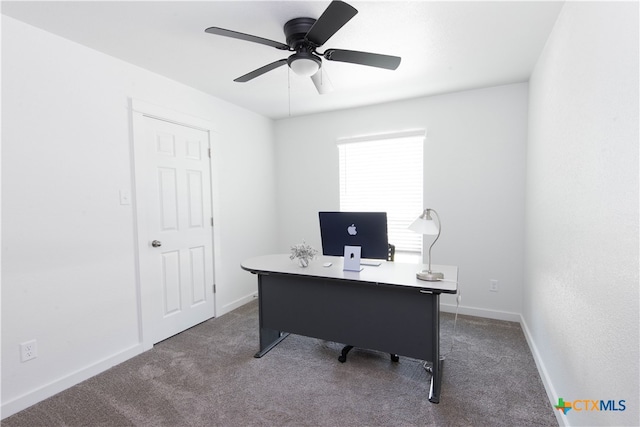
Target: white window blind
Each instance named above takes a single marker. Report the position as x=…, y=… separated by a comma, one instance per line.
x=385, y=174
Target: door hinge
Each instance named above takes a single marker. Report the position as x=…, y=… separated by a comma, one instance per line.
x=209, y=152
x=212, y=221
x=214, y=288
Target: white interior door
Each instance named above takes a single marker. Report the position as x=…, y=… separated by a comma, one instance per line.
x=175, y=227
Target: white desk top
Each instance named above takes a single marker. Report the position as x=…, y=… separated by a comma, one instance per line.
x=391, y=273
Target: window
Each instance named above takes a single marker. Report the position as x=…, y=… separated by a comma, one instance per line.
x=385, y=173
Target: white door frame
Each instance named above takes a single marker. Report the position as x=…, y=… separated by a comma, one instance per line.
x=140, y=110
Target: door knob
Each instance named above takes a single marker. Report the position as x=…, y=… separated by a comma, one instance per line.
x=156, y=243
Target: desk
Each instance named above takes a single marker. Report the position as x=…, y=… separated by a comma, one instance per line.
x=383, y=308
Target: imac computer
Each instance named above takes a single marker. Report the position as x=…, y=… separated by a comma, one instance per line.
x=365, y=229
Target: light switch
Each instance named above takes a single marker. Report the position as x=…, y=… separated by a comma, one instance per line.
x=125, y=197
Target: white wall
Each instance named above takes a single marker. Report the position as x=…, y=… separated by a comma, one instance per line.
x=474, y=178
x=581, y=293
x=68, y=267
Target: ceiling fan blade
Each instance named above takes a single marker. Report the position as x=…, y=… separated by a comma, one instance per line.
x=322, y=82
x=363, y=58
x=246, y=37
x=332, y=19
x=260, y=71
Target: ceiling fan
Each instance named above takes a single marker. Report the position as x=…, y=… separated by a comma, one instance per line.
x=304, y=36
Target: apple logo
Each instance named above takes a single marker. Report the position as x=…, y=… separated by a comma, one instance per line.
x=352, y=230
x=352, y=255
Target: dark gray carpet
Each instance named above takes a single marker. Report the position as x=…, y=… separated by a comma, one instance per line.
x=207, y=376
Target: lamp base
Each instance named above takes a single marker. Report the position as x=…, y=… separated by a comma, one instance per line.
x=429, y=276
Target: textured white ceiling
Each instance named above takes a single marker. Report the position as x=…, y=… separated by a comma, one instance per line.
x=445, y=46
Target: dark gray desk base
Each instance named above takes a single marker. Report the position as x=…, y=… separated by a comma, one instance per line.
x=392, y=319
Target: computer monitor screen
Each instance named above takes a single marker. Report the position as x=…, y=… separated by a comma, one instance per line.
x=365, y=229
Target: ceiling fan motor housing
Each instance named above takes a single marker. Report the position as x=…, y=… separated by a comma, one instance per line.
x=296, y=30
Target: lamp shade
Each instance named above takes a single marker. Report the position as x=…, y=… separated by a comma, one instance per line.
x=422, y=225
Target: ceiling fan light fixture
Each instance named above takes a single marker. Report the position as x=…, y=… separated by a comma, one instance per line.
x=304, y=64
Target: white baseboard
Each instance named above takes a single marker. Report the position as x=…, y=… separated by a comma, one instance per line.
x=237, y=303
x=19, y=403
x=481, y=312
x=542, y=370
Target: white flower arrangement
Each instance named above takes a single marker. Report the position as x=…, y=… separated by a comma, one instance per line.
x=303, y=252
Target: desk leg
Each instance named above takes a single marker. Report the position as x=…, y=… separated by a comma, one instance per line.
x=436, y=371
x=436, y=382
x=269, y=338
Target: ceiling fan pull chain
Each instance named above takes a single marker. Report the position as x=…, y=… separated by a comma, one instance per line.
x=289, y=88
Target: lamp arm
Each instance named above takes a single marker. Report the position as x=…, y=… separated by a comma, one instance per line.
x=436, y=239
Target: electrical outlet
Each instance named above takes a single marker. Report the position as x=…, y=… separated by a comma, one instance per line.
x=28, y=350
x=125, y=197
x=493, y=287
